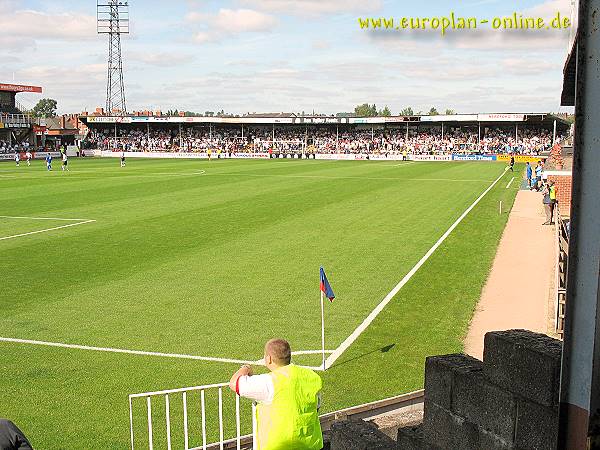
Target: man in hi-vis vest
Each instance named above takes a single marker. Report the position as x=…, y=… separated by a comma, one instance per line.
x=288, y=398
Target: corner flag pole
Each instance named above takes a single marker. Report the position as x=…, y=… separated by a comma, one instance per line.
x=323, y=329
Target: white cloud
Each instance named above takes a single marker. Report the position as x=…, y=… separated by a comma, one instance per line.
x=30, y=25
x=549, y=9
x=242, y=20
x=74, y=87
x=160, y=59
x=316, y=7
x=529, y=65
x=229, y=22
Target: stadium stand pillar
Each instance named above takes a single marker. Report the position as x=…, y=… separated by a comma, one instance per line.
x=579, y=425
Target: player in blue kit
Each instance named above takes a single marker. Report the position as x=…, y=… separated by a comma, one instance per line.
x=49, y=162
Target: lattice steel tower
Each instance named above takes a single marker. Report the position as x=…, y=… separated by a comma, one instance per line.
x=113, y=19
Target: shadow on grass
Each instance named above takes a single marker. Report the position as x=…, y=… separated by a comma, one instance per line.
x=384, y=349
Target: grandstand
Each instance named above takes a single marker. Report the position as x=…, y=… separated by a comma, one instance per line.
x=288, y=134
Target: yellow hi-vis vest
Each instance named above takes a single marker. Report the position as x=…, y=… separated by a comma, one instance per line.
x=291, y=421
x=552, y=193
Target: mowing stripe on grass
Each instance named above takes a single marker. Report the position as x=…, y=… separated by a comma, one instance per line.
x=45, y=230
x=326, y=177
x=406, y=163
x=121, y=350
x=43, y=218
x=363, y=326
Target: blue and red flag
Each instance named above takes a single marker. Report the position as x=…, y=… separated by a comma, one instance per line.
x=326, y=287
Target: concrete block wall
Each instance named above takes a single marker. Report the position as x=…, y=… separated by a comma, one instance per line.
x=508, y=401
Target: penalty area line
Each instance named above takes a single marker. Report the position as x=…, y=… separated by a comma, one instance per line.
x=510, y=182
x=46, y=230
x=121, y=350
x=388, y=298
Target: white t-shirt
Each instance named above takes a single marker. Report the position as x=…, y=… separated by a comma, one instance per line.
x=258, y=388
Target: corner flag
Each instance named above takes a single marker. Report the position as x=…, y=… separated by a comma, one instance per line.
x=326, y=287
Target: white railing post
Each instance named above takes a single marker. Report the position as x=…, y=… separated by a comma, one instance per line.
x=221, y=418
x=237, y=420
x=185, y=422
x=149, y=407
x=131, y=422
x=254, y=428
x=236, y=440
x=168, y=414
x=203, y=420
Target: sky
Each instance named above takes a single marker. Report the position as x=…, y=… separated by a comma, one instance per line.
x=286, y=56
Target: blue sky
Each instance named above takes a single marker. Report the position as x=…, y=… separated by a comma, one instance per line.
x=283, y=55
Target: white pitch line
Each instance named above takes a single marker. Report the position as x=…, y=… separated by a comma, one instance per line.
x=510, y=182
x=363, y=326
x=120, y=350
x=45, y=230
x=311, y=352
x=43, y=218
x=302, y=352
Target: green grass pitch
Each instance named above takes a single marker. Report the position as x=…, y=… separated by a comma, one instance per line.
x=214, y=258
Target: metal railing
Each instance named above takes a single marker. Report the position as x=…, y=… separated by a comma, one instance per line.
x=238, y=440
x=16, y=119
x=399, y=404
x=562, y=258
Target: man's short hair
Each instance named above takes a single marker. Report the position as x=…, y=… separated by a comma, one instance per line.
x=280, y=351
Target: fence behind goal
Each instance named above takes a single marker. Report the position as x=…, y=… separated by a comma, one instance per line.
x=193, y=418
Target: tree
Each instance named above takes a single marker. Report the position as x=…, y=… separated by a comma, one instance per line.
x=450, y=112
x=385, y=112
x=433, y=112
x=365, y=110
x=407, y=112
x=46, y=107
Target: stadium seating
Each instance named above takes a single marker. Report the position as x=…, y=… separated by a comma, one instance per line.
x=290, y=140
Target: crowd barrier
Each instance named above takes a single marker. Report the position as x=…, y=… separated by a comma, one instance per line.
x=320, y=156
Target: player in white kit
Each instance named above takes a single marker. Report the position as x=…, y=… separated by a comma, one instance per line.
x=64, y=162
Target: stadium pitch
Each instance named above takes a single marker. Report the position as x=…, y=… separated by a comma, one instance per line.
x=168, y=273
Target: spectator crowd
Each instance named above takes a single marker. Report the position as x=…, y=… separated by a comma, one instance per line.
x=528, y=141
x=6, y=147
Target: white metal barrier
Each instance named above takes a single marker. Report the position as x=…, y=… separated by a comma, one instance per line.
x=186, y=432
